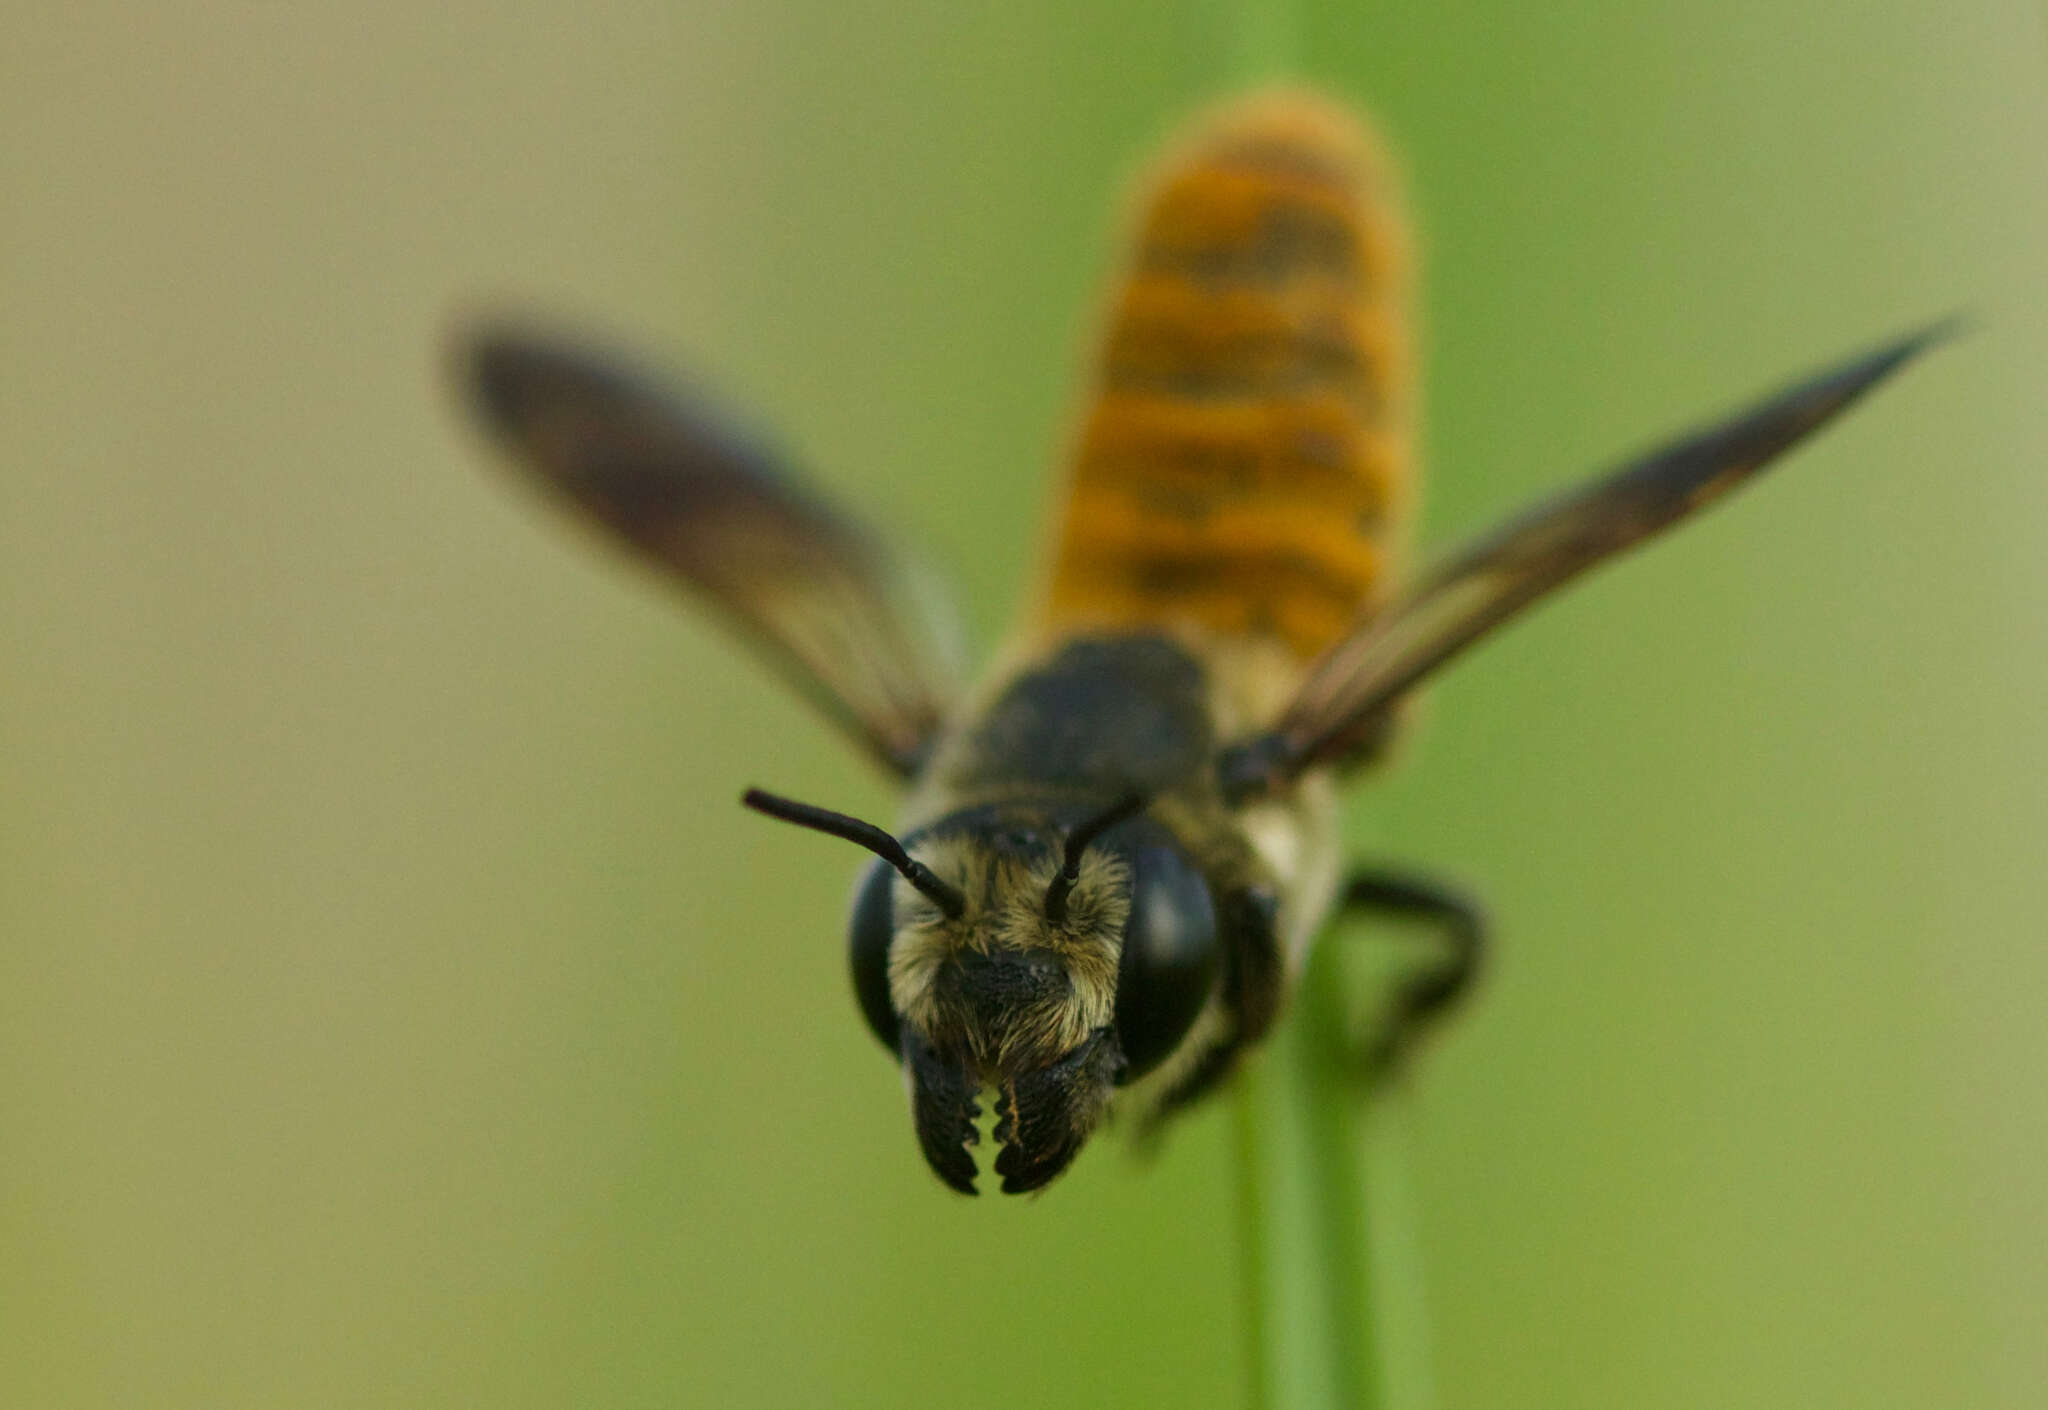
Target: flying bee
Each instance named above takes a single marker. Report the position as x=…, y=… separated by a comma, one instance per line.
x=1116, y=849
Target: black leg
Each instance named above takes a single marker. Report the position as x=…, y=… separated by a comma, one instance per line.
x=1430, y=989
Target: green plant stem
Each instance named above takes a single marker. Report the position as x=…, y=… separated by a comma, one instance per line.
x=1259, y=40
x=1332, y=1318
x=1328, y=1275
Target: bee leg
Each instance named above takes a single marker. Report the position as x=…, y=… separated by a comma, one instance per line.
x=1433, y=986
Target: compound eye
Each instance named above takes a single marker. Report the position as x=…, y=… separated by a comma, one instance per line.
x=1171, y=956
x=874, y=925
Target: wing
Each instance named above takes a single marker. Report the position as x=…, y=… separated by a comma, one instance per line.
x=1342, y=704
x=816, y=592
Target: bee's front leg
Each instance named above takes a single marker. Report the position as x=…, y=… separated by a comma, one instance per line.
x=1432, y=984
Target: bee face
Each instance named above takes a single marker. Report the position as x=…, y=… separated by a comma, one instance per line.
x=1067, y=972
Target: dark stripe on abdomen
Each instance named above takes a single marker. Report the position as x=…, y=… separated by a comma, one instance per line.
x=1243, y=461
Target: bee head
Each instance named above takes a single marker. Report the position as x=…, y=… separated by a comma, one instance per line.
x=1045, y=953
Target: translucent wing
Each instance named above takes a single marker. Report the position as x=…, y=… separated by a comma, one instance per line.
x=1342, y=704
x=817, y=592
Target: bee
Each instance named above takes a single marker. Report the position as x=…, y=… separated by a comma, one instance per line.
x=1116, y=849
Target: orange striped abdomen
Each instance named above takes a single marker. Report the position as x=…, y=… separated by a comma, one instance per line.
x=1242, y=465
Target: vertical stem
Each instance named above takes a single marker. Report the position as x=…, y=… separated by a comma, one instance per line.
x=1326, y=1271
x=1254, y=1252
x=1259, y=39
x=1328, y=1278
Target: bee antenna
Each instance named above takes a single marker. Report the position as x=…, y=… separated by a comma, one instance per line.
x=946, y=897
x=1077, y=844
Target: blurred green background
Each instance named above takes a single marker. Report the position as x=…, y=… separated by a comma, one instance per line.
x=396, y=1009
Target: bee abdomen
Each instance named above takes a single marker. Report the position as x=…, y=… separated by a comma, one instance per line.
x=1243, y=459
